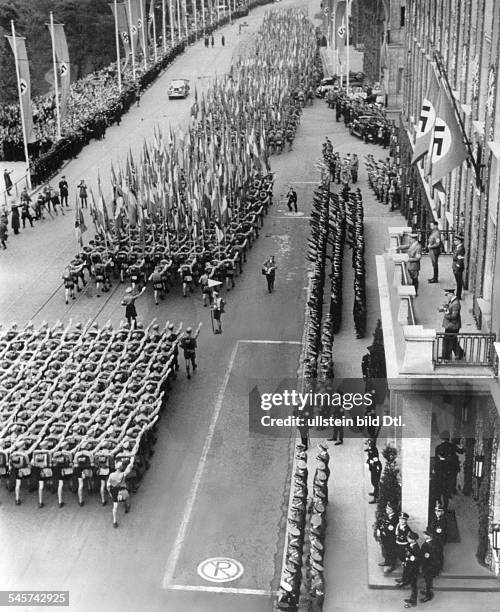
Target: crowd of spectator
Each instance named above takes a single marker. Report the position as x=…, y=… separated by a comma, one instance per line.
x=94, y=103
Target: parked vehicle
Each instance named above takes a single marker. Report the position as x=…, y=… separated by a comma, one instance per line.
x=178, y=88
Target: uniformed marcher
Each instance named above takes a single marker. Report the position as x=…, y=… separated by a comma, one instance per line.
x=431, y=554
x=172, y=337
x=189, y=344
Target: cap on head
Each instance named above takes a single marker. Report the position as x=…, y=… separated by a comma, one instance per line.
x=188, y=330
x=404, y=515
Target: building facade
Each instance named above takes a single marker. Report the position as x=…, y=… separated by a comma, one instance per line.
x=433, y=391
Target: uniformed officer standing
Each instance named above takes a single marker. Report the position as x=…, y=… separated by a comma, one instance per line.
x=434, y=246
x=431, y=559
x=411, y=567
x=402, y=530
x=458, y=263
x=172, y=337
x=387, y=534
x=414, y=251
x=438, y=526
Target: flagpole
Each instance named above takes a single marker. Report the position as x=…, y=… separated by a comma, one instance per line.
x=210, y=4
x=186, y=31
x=347, y=45
x=195, y=17
x=154, y=30
x=179, y=31
x=118, y=58
x=203, y=15
x=132, y=48
x=19, y=91
x=164, y=24
x=56, y=84
x=171, y=19
x=144, y=47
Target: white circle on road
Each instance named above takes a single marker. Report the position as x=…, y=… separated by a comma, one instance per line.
x=220, y=569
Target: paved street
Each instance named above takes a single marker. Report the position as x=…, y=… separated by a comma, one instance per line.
x=213, y=490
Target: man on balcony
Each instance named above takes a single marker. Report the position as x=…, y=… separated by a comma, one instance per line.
x=434, y=246
x=452, y=322
x=458, y=263
x=414, y=251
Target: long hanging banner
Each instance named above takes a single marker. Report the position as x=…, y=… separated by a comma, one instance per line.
x=142, y=26
x=340, y=25
x=123, y=30
x=25, y=84
x=427, y=119
x=63, y=65
x=134, y=19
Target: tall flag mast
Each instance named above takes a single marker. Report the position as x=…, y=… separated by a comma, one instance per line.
x=24, y=90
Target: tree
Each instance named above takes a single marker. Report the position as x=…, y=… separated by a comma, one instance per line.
x=390, y=487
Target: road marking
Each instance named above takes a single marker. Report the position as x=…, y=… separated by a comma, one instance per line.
x=270, y=341
x=213, y=589
x=176, y=550
x=292, y=217
x=220, y=569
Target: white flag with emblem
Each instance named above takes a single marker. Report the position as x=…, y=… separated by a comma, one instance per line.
x=426, y=120
x=24, y=84
x=448, y=148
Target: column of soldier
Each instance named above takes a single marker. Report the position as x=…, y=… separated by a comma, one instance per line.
x=305, y=546
x=347, y=223
x=356, y=240
x=164, y=257
x=76, y=401
x=319, y=339
x=384, y=177
x=207, y=190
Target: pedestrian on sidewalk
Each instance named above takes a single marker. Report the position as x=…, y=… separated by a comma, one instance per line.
x=63, y=191
x=26, y=213
x=292, y=199
x=223, y=40
x=212, y=41
x=7, y=180
x=14, y=221
x=138, y=95
x=82, y=192
x=269, y=270
x=206, y=41
x=3, y=232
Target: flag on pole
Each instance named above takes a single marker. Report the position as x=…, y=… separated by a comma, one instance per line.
x=219, y=234
x=133, y=13
x=448, y=149
x=24, y=84
x=426, y=120
x=63, y=64
x=80, y=226
x=340, y=24
x=123, y=30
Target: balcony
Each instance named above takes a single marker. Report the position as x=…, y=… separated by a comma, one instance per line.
x=413, y=332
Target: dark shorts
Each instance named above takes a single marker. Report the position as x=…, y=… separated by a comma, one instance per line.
x=58, y=473
x=130, y=311
x=114, y=492
x=217, y=314
x=78, y=471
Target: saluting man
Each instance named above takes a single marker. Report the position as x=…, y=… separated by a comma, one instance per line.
x=414, y=251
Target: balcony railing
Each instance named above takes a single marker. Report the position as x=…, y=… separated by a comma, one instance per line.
x=464, y=350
